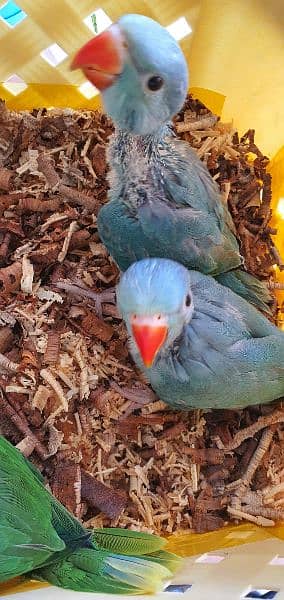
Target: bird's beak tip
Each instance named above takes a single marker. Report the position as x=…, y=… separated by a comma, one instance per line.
x=148, y=363
x=149, y=335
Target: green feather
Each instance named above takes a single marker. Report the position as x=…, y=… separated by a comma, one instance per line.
x=34, y=470
x=65, y=575
x=34, y=526
x=136, y=570
x=126, y=542
x=39, y=537
x=12, y=566
x=98, y=571
x=167, y=559
x=67, y=526
x=24, y=504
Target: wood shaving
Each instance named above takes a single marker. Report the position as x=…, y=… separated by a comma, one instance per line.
x=276, y=417
x=49, y=295
x=63, y=253
x=27, y=276
x=41, y=397
x=258, y=520
x=10, y=278
x=55, y=439
x=26, y=446
x=71, y=397
x=255, y=461
x=21, y=424
x=52, y=350
x=6, y=318
x=5, y=179
x=66, y=486
x=6, y=338
x=98, y=495
x=47, y=376
x=8, y=365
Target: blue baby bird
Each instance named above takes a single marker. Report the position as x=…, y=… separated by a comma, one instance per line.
x=199, y=344
x=162, y=199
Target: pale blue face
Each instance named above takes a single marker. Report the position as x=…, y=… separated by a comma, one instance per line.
x=156, y=286
x=151, y=53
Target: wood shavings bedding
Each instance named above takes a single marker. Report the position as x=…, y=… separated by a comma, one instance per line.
x=70, y=396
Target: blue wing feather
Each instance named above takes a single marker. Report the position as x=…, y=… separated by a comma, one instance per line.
x=164, y=203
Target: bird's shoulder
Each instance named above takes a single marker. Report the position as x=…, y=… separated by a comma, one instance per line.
x=214, y=301
x=185, y=170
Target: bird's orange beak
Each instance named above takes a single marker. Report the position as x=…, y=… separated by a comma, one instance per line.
x=101, y=59
x=149, y=334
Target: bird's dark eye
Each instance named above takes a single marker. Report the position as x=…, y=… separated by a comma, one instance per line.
x=188, y=300
x=155, y=83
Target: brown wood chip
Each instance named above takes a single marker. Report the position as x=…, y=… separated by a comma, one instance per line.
x=112, y=452
x=108, y=500
x=66, y=486
x=95, y=326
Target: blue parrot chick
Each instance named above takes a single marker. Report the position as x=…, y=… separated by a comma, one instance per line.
x=146, y=73
x=199, y=344
x=162, y=199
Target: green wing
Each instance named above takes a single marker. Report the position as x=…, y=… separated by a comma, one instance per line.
x=40, y=537
x=121, y=561
x=90, y=570
x=126, y=542
x=167, y=559
x=27, y=536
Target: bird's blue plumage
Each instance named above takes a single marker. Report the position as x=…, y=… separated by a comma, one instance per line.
x=163, y=202
x=220, y=352
x=162, y=199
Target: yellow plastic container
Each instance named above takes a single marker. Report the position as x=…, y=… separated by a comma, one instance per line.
x=236, y=58
x=224, y=565
x=235, y=54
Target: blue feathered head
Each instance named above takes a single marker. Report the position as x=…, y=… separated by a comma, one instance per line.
x=141, y=71
x=155, y=301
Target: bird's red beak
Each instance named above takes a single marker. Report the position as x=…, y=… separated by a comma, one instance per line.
x=101, y=59
x=149, y=334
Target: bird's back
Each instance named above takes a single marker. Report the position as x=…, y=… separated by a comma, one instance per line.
x=163, y=202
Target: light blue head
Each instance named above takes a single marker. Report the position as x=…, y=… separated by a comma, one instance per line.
x=155, y=301
x=147, y=75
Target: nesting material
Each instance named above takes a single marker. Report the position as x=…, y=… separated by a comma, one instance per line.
x=71, y=398
x=239, y=168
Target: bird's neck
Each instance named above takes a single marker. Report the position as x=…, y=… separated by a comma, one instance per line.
x=136, y=166
x=128, y=145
